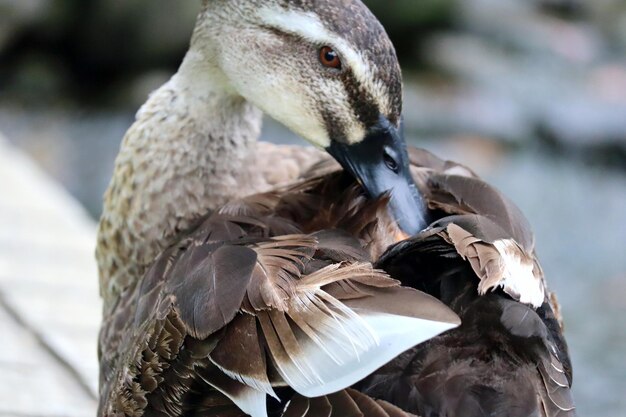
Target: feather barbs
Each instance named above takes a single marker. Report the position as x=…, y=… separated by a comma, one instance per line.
x=501, y=263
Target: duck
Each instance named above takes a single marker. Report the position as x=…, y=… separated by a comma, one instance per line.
x=243, y=278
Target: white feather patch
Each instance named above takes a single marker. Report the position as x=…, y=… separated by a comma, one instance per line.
x=250, y=400
x=250, y=382
x=326, y=374
x=519, y=280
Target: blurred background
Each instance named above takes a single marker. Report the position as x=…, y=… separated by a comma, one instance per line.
x=529, y=93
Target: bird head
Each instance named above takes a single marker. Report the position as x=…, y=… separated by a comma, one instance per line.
x=327, y=70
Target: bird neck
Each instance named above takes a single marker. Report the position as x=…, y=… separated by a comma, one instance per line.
x=190, y=149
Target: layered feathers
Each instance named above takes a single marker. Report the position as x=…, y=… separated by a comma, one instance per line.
x=288, y=295
x=478, y=258
x=238, y=309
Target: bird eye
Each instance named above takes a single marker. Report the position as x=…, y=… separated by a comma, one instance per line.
x=390, y=162
x=329, y=58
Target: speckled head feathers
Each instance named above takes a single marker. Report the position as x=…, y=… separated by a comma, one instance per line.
x=269, y=50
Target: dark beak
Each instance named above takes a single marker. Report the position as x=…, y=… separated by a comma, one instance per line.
x=380, y=163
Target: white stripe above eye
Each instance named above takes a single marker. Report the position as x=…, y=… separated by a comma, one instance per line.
x=309, y=26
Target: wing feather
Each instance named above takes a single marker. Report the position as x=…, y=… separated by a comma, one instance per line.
x=249, y=368
x=214, y=286
x=248, y=399
x=498, y=263
x=280, y=262
x=321, y=344
x=345, y=403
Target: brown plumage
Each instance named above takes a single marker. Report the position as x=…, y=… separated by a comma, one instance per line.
x=265, y=293
x=218, y=317
x=508, y=357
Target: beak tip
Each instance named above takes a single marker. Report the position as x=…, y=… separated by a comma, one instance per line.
x=409, y=210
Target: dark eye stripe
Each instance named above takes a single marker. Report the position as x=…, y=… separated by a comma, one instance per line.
x=334, y=128
x=361, y=101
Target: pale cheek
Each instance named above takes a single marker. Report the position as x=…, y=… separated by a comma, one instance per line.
x=356, y=132
x=287, y=84
x=284, y=97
